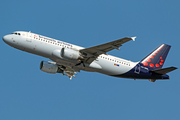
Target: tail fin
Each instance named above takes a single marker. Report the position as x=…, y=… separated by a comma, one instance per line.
x=156, y=59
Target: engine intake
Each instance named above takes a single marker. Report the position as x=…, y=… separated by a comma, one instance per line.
x=49, y=67
x=70, y=54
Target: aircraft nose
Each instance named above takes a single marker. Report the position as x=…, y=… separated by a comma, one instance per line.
x=5, y=38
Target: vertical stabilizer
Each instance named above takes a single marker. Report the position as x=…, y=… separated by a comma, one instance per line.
x=156, y=59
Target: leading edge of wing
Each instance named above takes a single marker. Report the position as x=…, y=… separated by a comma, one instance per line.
x=106, y=47
x=93, y=52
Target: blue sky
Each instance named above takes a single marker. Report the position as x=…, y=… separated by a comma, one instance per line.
x=27, y=93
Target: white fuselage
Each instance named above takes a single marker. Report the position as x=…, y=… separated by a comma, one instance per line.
x=44, y=46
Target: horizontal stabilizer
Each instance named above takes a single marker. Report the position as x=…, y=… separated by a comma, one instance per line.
x=163, y=70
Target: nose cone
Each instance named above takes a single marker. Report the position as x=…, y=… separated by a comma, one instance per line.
x=6, y=38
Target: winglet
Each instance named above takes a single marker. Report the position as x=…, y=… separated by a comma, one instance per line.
x=133, y=38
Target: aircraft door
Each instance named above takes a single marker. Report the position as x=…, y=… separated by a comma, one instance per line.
x=28, y=37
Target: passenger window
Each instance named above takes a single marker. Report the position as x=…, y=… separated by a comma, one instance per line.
x=19, y=34
x=15, y=33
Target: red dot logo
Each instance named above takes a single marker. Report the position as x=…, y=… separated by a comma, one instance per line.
x=149, y=60
x=157, y=65
x=152, y=57
x=145, y=64
x=162, y=60
x=161, y=63
x=160, y=57
x=151, y=65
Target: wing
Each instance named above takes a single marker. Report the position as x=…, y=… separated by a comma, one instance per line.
x=92, y=53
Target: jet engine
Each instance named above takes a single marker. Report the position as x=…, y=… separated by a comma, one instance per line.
x=49, y=67
x=71, y=54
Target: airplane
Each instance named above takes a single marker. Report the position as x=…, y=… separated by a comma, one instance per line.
x=69, y=59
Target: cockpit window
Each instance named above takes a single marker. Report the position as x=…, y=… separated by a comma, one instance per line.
x=16, y=33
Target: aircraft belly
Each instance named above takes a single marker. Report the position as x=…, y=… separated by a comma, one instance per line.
x=101, y=66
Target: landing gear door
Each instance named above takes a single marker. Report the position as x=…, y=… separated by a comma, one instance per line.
x=29, y=36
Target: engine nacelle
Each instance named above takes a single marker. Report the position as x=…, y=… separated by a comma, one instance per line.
x=70, y=54
x=48, y=67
